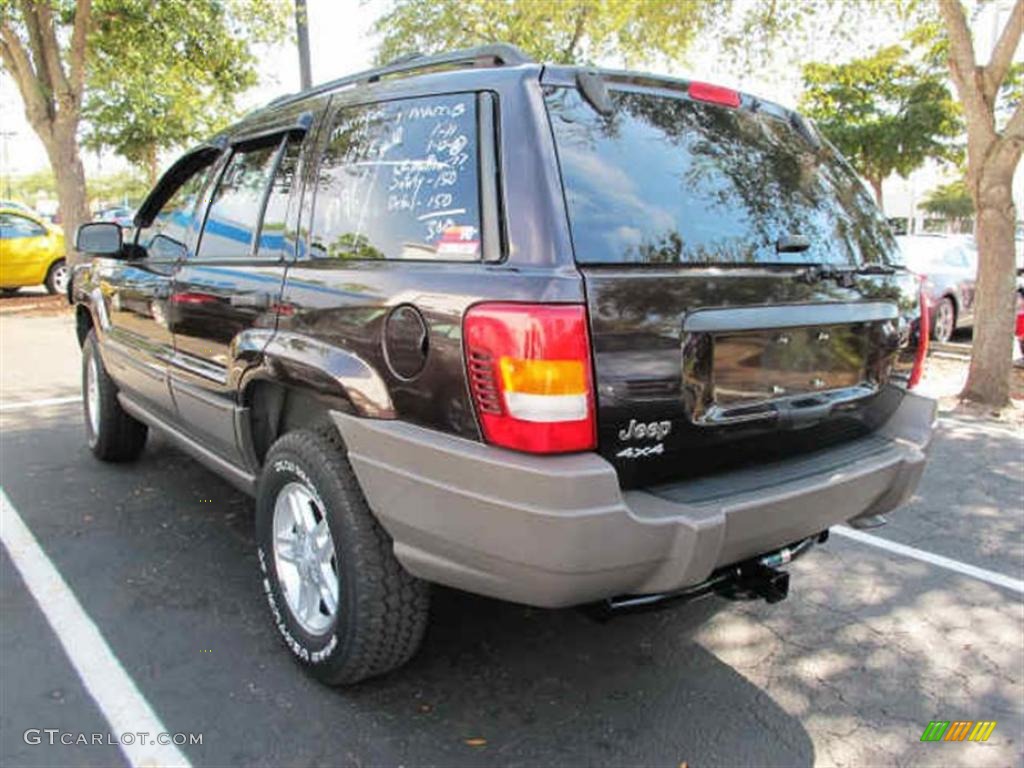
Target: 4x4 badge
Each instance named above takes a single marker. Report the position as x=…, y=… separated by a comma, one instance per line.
x=655, y=430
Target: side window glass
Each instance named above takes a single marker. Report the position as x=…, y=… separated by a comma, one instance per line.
x=13, y=227
x=399, y=180
x=234, y=212
x=272, y=232
x=167, y=236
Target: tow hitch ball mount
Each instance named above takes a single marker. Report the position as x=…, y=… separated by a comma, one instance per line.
x=755, y=579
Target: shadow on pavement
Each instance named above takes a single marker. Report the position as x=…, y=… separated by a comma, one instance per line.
x=161, y=555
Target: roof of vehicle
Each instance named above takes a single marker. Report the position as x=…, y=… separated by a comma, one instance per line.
x=494, y=55
x=504, y=55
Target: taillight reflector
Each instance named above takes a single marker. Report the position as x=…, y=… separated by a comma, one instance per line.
x=715, y=94
x=529, y=373
x=924, y=332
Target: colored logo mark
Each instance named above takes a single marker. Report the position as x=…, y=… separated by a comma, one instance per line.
x=958, y=730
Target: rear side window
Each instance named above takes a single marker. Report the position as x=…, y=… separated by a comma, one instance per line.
x=399, y=180
x=272, y=231
x=666, y=180
x=234, y=214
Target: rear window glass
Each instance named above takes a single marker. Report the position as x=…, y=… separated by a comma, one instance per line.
x=665, y=180
x=399, y=180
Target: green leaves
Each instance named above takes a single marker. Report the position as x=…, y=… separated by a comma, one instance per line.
x=886, y=112
x=949, y=201
x=567, y=31
x=168, y=73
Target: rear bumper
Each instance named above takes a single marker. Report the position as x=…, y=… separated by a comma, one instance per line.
x=557, y=531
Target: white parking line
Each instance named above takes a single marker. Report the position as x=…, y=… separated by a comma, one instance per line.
x=991, y=577
x=104, y=678
x=40, y=403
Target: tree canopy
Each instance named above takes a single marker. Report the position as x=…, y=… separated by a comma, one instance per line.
x=886, y=112
x=949, y=201
x=168, y=73
x=568, y=31
x=147, y=75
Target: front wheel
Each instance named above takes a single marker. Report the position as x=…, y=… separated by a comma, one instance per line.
x=112, y=434
x=343, y=604
x=57, y=278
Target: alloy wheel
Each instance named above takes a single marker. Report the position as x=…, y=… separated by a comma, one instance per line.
x=304, y=557
x=92, y=395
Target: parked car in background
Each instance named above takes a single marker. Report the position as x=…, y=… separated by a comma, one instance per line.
x=118, y=214
x=949, y=267
x=31, y=253
x=1019, y=328
x=14, y=205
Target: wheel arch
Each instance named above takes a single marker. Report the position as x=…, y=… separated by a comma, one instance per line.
x=296, y=384
x=83, y=323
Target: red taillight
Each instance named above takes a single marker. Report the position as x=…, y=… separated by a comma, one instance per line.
x=529, y=373
x=924, y=331
x=715, y=94
x=188, y=297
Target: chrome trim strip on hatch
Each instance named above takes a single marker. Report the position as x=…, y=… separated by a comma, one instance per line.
x=724, y=319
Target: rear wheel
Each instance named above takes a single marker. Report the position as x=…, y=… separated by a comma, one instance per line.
x=8, y=291
x=57, y=277
x=112, y=434
x=341, y=601
x=945, y=320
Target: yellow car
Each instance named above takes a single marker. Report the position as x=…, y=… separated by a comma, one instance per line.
x=31, y=253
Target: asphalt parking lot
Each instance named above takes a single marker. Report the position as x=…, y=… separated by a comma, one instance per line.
x=870, y=646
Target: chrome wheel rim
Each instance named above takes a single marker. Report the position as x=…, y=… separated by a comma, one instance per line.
x=60, y=278
x=944, y=321
x=92, y=394
x=304, y=558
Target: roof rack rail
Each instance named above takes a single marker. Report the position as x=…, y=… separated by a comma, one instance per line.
x=492, y=55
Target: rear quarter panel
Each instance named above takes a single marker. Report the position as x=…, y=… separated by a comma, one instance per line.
x=334, y=311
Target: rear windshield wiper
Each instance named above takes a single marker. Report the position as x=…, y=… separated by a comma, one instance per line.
x=843, y=274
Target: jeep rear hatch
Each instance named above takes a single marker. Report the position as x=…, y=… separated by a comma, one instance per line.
x=745, y=297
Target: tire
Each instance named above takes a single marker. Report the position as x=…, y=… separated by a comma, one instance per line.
x=944, y=323
x=9, y=291
x=380, y=611
x=112, y=434
x=57, y=277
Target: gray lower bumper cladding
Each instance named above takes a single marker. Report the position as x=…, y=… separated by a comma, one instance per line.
x=555, y=531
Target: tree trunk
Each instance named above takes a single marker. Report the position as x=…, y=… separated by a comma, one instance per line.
x=152, y=165
x=992, y=157
x=62, y=149
x=876, y=185
x=995, y=295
